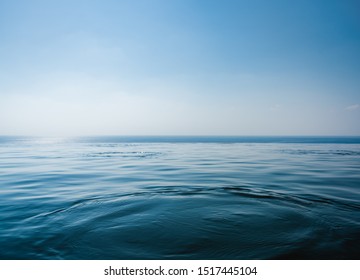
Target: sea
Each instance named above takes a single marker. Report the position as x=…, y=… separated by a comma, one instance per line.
x=179, y=197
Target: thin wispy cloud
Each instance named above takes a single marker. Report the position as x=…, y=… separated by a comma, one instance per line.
x=275, y=107
x=353, y=107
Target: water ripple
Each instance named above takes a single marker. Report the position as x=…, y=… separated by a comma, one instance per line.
x=183, y=200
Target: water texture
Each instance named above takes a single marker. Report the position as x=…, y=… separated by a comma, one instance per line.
x=180, y=198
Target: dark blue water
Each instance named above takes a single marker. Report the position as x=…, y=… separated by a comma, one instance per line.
x=180, y=198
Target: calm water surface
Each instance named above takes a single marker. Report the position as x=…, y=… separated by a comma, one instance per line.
x=180, y=198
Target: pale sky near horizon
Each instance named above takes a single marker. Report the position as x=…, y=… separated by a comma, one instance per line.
x=179, y=67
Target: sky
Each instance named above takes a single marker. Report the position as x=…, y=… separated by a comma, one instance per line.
x=179, y=67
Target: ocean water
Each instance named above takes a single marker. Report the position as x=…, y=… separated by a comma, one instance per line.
x=180, y=198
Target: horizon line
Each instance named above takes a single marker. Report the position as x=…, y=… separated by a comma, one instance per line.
x=175, y=135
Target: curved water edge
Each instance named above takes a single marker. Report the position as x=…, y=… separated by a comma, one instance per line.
x=179, y=201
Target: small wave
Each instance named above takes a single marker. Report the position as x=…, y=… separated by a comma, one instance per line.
x=322, y=152
x=252, y=194
x=303, y=199
x=122, y=154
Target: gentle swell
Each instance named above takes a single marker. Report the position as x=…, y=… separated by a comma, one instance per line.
x=179, y=200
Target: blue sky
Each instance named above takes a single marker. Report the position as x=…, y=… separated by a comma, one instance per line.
x=179, y=67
